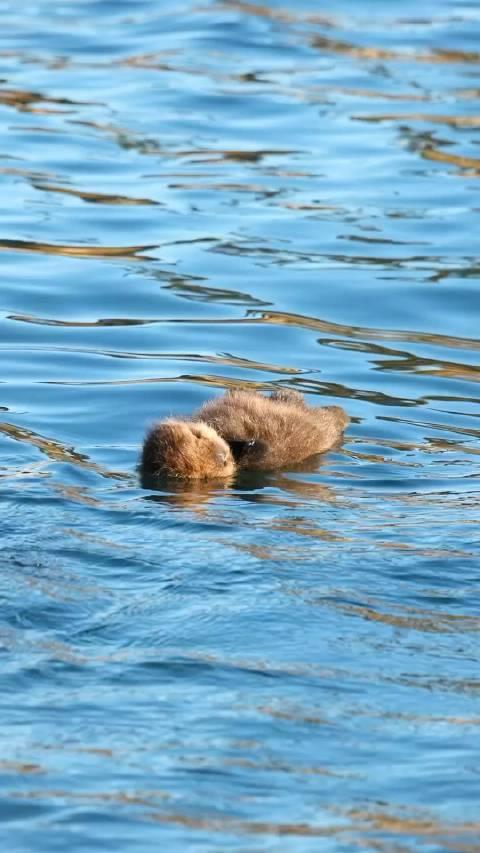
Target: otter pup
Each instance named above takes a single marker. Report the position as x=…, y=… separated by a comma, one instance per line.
x=242, y=429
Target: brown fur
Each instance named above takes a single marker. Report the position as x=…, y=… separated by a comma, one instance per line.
x=242, y=429
x=282, y=430
x=190, y=451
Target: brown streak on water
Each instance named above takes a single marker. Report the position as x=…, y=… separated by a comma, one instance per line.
x=75, y=251
x=55, y=450
x=301, y=321
x=96, y=198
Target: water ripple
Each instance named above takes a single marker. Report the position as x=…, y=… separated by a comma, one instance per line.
x=256, y=195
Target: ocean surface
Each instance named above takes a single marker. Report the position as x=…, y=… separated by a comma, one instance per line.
x=208, y=195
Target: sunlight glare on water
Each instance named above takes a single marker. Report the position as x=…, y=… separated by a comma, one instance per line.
x=235, y=194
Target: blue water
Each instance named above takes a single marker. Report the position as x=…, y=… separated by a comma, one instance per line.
x=198, y=196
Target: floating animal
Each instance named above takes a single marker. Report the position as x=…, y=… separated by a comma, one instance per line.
x=241, y=430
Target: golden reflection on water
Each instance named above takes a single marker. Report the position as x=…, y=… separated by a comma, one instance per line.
x=26, y=173
x=76, y=251
x=27, y=101
x=223, y=358
x=214, y=380
x=437, y=55
x=130, y=140
x=430, y=118
x=302, y=527
x=278, y=13
x=431, y=153
x=271, y=553
x=359, y=822
x=56, y=450
x=255, y=317
x=108, y=321
x=317, y=324
x=475, y=433
x=288, y=484
x=203, y=293
x=21, y=768
x=419, y=825
x=186, y=495
x=94, y=197
x=415, y=619
x=78, y=494
x=250, y=827
x=144, y=798
x=357, y=825
x=275, y=766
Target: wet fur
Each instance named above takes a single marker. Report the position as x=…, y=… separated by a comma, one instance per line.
x=186, y=450
x=242, y=429
x=276, y=431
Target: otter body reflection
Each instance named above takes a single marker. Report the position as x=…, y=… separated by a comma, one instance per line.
x=241, y=430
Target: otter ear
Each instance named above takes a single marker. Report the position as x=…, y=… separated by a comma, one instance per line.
x=240, y=447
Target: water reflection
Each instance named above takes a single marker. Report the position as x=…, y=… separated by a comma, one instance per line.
x=273, y=487
x=93, y=197
x=203, y=293
x=239, y=194
x=74, y=251
x=184, y=495
x=26, y=101
x=54, y=449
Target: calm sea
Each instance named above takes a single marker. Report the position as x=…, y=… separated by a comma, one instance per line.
x=206, y=195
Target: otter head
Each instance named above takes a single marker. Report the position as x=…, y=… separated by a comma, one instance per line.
x=186, y=450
